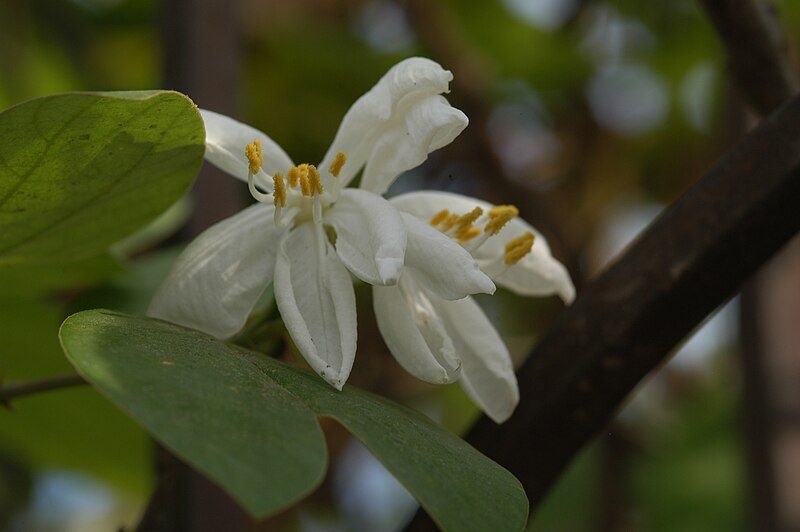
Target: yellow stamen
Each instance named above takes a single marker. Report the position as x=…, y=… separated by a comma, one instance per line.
x=293, y=175
x=465, y=222
x=449, y=222
x=337, y=164
x=440, y=217
x=464, y=225
x=255, y=156
x=518, y=248
x=468, y=234
x=280, y=190
x=305, y=184
x=316, y=182
x=498, y=217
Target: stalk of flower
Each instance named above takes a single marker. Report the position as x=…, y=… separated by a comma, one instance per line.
x=283, y=238
x=440, y=338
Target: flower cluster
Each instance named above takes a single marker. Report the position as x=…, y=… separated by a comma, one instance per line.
x=425, y=253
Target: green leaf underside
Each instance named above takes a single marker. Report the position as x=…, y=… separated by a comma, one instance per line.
x=80, y=171
x=249, y=422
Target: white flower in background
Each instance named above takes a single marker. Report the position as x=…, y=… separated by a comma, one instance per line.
x=437, y=335
x=284, y=239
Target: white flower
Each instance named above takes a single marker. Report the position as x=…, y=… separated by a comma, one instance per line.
x=440, y=338
x=284, y=239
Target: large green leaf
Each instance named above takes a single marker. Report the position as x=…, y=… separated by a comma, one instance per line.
x=249, y=421
x=80, y=171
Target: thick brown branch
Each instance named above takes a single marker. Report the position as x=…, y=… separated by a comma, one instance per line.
x=756, y=50
x=688, y=262
x=15, y=391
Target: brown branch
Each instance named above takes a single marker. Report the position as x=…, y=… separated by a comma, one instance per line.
x=22, y=389
x=756, y=50
x=625, y=324
x=757, y=424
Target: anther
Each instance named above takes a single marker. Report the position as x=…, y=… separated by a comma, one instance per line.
x=337, y=164
x=305, y=184
x=255, y=156
x=460, y=227
x=465, y=222
x=255, y=159
x=498, y=217
x=468, y=234
x=293, y=176
x=314, y=178
x=449, y=222
x=279, y=193
x=518, y=248
x=439, y=217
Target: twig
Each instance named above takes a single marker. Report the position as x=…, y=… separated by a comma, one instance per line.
x=625, y=324
x=756, y=49
x=15, y=391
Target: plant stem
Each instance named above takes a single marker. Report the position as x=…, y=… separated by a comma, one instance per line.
x=17, y=390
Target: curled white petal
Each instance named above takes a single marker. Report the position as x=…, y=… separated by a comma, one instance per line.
x=487, y=373
x=381, y=108
x=440, y=264
x=405, y=142
x=414, y=332
x=226, y=139
x=315, y=297
x=537, y=274
x=370, y=236
x=215, y=283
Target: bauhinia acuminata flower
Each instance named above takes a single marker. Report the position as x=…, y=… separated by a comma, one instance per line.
x=284, y=238
x=439, y=337
x=424, y=252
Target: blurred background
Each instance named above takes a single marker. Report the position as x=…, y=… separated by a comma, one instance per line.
x=592, y=116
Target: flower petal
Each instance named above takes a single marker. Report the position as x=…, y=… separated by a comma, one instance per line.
x=315, y=297
x=487, y=373
x=414, y=332
x=226, y=139
x=537, y=274
x=440, y=264
x=381, y=108
x=214, y=284
x=406, y=142
x=370, y=236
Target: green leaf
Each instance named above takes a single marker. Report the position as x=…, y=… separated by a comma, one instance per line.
x=205, y=403
x=80, y=171
x=249, y=421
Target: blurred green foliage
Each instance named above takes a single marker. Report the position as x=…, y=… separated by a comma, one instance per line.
x=69, y=429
